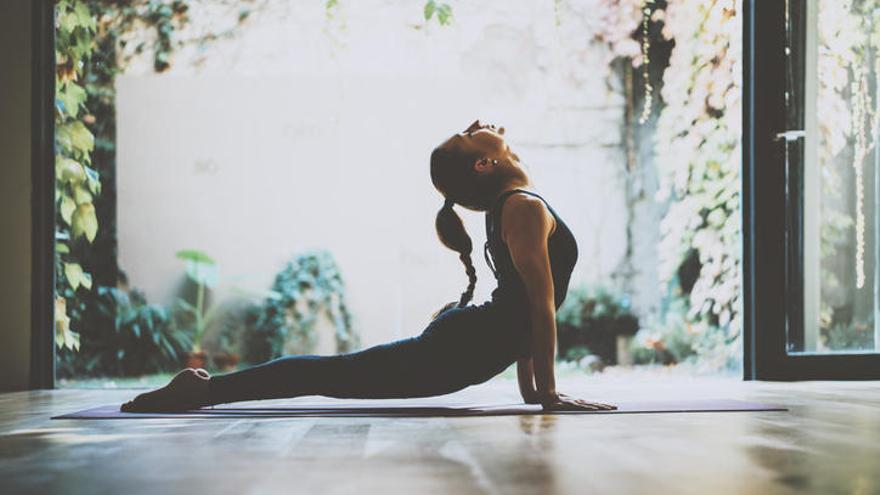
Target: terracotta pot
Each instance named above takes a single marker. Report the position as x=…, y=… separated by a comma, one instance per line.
x=196, y=359
x=225, y=361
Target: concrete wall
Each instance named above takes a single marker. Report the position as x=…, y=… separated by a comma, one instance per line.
x=15, y=193
x=302, y=132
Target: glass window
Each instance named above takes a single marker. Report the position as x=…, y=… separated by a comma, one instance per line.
x=832, y=156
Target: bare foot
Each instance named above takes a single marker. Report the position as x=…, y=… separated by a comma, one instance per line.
x=187, y=390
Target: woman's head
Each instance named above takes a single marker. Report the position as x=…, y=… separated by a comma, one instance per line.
x=471, y=168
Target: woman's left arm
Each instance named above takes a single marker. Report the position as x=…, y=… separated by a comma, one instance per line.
x=526, y=225
x=525, y=376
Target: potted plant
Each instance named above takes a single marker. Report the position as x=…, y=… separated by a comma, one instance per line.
x=202, y=271
x=226, y=357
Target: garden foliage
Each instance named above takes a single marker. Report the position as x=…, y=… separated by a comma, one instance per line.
x=589, y=322
x=308, y=287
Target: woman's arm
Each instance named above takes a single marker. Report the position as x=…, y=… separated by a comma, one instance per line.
x=525, y=376
x=526, y=225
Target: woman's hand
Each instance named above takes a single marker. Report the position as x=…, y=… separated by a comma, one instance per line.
x=562, y=402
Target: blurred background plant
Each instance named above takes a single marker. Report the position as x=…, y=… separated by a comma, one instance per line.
x=591, y=321
x=134, y=338
x=193, y=318
x=307, y=289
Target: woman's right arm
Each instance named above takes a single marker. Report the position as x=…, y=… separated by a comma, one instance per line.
x=526, y=226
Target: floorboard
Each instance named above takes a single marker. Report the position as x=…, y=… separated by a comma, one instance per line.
x=828, y=442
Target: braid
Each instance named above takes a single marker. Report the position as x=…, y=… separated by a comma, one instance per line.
x=468, y=294
x=451, y=232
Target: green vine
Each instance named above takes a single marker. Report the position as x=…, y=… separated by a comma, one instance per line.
x=90, y=51
x=698, y=149
x=443, y=12
x=76, y=181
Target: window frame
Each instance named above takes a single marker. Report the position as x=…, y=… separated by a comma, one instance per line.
x=772, y=225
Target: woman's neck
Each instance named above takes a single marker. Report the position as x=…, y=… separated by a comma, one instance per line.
x=512, y=185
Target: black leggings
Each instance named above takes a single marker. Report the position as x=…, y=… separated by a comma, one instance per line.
x=461, y=347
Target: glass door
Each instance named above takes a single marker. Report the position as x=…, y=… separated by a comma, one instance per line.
x=831, y=153
x=811, y=190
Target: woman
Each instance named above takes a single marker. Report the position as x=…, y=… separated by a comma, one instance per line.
x=532, y=255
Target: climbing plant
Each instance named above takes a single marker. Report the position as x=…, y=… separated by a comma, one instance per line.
x=441, y=11
x=76, y=181
x=698, y=158
x=92, y=46
x=696, y=153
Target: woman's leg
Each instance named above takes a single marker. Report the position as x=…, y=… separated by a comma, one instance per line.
x=410, y=367
x=449, y=355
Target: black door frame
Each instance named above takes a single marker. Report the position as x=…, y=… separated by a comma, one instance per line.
x=42, y=367
x=771, y=254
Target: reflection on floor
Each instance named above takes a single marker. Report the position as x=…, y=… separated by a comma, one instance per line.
x=829, y=442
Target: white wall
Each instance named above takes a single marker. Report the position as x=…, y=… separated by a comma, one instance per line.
x=298, y=134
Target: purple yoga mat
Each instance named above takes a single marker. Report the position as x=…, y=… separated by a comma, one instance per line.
x=399, y=409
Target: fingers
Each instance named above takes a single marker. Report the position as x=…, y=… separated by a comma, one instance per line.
x=590, y=406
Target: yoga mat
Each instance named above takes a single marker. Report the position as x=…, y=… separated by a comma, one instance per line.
x=350, y=409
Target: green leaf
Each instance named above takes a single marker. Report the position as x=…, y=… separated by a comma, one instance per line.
x=81, y=137
x=75, y=137
x=444, y=14
x=63, y=337
x=86, y=280
x=73, y=96
x=84, y=222
x=93, y=179
x=81, y=195
x=68, y=170
x=61, y=248
x=73, y=272
x=84, y=17
x=76, y=277
x=67, y=22
x=68, y=205
x=71, y=340
x=195, y=255
x=430, y=6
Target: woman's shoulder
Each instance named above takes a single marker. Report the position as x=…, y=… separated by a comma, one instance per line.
x=526, y=210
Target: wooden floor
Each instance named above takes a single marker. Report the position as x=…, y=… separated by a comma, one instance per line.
x=829, y=442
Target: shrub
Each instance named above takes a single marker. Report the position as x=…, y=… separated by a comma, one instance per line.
x=130, y=337
x=308, y=286
x=590, y=321
x=670, y=339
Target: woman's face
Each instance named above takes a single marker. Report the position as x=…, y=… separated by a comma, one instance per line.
x=485, y=141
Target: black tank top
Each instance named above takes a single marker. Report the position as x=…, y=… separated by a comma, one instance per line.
x=561, y=245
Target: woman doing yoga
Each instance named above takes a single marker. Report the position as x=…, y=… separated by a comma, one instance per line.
x=532, y=253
